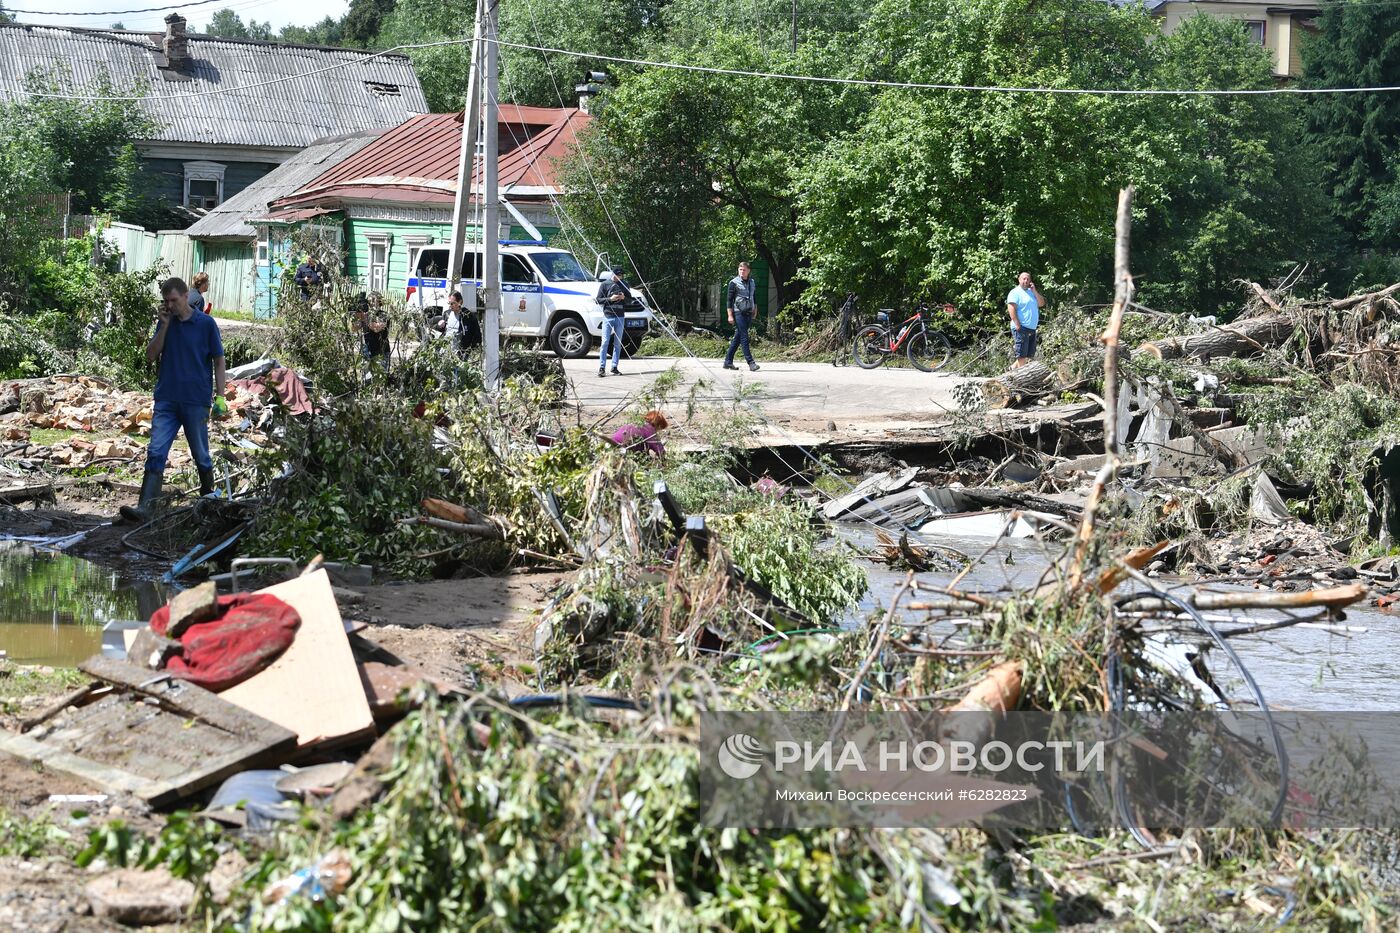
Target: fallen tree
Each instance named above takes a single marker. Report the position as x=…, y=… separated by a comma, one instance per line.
x=1243, y=338
x=1019, y=385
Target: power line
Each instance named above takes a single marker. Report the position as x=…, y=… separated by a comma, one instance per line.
x=150, y=9
x=768, y=75
x=971, y=88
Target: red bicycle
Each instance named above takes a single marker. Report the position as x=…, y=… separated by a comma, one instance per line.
x=928, y=350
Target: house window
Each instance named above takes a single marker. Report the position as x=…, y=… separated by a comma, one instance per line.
x=379, y=248
x=204, y=185
x=414, y=244
x=1254, y=28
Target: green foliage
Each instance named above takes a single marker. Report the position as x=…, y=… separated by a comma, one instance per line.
x=32, y=837
x=1241, y=194
x=356, y=470
x=778, y=547
x=24, y=352
x=1356, y=45
x=1328, y=438
x=595, y=829
x=227, y=24
x=87, y=144
x=704, y=169
x=365, y=18
x=501, y=472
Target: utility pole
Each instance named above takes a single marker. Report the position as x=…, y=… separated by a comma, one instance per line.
x=466, y=160
x=491, y=207
x=794, y=27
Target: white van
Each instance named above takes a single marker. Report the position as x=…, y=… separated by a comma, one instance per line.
x=545, y=293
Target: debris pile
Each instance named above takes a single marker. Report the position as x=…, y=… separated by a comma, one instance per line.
x=108, y=419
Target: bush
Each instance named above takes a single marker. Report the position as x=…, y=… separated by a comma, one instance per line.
x=354, y=472
x=24, y=353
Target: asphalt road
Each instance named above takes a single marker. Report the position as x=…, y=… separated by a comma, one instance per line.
x=801, y=398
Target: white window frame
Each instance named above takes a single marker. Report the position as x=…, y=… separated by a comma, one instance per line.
x=1263, y=29
x=204, y=171
x=373, y=269
x=414, y=243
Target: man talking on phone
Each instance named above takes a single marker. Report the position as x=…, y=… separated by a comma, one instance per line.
x=1023, y=304
x=191, y=356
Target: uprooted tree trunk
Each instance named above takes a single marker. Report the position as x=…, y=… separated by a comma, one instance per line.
x=1019, y=385
x=1243, y=338
x=1086, y=366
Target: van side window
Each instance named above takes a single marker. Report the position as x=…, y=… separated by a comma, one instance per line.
x=514, y=270
x=431, y=263
x=471, y=266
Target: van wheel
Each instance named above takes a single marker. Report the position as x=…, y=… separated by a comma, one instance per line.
x=568, y=339
x=630, y=346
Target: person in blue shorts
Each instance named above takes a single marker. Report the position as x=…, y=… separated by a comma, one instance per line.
x=191, y=357
x=1023, y=304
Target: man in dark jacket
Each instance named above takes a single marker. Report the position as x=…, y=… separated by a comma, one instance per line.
x=310, y=278
x=613, y=296
x=742, y=309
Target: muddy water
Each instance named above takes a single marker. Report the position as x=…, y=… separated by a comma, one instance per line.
x=1299, y=668
x=53, y=607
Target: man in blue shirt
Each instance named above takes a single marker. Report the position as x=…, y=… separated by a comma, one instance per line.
x=1023, y=304
x=188, y=348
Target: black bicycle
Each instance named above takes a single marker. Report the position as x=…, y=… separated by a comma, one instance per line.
x=927, y=349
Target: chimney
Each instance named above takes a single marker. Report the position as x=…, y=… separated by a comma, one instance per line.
x=176, y=44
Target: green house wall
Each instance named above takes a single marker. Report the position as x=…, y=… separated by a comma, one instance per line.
x=359, y=231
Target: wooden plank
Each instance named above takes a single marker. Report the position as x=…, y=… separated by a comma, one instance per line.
x=190, y=700
x=314, y=687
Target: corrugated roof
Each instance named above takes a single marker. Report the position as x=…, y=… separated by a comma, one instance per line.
x=230, y=219
x=418, y=160
x=292, y=114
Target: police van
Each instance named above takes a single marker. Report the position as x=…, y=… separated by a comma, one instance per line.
x=545, y=293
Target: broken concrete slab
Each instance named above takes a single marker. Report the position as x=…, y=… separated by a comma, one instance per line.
x=133, y=897
x=192, y=606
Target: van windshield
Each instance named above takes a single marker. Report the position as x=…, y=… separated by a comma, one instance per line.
x=560, y=267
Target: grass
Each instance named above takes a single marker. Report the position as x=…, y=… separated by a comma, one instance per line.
x=20, y=682
x=47, y=437
x=226, y=314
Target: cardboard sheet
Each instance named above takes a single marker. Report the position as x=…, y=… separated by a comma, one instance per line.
x=314, y=688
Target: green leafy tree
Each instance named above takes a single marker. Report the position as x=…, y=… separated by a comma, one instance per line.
x=365, y=19
x=89, y=146
x=329, y=32
x=226, y=24
x=704, y=169
x=443, y=71
x=950, y=192
x=621, y=28
x=1240, y=187
x=1357, y=44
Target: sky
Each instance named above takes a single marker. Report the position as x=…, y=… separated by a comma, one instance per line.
x=279, y=12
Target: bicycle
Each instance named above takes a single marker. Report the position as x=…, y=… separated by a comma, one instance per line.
x=928, y=350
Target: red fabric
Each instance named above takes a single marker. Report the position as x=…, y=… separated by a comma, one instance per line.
x=252, y=632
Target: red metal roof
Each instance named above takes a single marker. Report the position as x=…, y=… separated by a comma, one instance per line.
x=417, y=161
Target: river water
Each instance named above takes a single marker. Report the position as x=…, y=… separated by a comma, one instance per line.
x=1298, y=668
x=53, y=607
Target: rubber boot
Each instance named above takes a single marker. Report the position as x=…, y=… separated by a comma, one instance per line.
x=150, y=491
x=206, y=480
